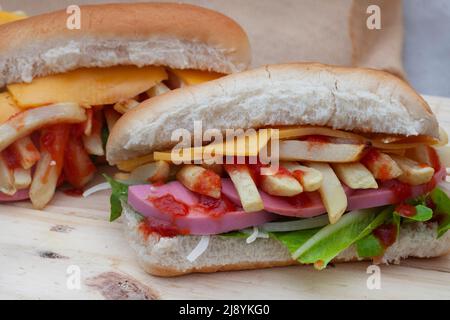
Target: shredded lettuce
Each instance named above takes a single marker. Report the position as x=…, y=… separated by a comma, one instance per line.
x=442, y=202
x=119, y=193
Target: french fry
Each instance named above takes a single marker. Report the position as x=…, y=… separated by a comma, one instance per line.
x=248, y=192
x=295, y=150
x=111, y=117
x=26, y=122
x=281, y=184
x=22, y=178
x=26, y=152
x=200, y=180
x=89, y=120
x=355, y=175
x=93, y=143
x=6, y=178
x=414, y=173
x=151, y=172
x=217, y=168
x=310, y=178
x=44, y=181
x=78, y=166
x=331, y=191
x=122, y=176
x=125, y=106
x=157, y=90
x=444, y=155
x=382, y=166
x=53, y=143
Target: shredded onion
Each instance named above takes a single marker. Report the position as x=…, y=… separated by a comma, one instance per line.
x=295, y=225
x=96, y=188
x=251, y=238
x=199, y=249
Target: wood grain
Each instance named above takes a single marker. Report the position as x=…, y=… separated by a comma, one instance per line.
x=37, y=247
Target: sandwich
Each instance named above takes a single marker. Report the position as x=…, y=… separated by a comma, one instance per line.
x=317, y=164
x=63, y=89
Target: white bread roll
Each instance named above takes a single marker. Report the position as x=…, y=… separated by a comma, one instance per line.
x=168, y=256
x=351, y=99
x=175, y=35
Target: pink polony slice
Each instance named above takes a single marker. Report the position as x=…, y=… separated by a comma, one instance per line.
x=282, y=205
x=196, y=222
x=357, y=199
x=18, y=196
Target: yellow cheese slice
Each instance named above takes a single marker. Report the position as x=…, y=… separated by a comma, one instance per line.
x=7, y=107
x=191, y=77
x=243, y=145
x=130, y=165
x=88, y=86
x=6, y=17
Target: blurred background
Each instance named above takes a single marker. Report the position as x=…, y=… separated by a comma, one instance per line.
x=413, y=42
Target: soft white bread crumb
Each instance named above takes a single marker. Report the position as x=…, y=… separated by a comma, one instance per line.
x=167, y=256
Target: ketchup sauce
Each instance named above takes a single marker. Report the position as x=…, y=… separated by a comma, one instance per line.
x=168, y=204
x=148, y=227
x=386, y=234
x=406, y=210
x=215, y=207
x=11, y=158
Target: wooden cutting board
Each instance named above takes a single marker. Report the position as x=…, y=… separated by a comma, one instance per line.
x=42, y=252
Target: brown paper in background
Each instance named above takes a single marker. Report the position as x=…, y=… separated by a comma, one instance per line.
x=328, y=31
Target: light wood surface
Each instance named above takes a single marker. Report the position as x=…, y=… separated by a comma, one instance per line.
x=38, y=247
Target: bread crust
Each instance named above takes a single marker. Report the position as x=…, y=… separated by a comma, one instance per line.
x=166, y=257
x=176, y=35
x=353, y=99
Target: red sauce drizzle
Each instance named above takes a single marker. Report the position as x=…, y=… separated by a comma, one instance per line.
x=168, y=204
x=402, y=191
x=74, y=192
x=11, y=158
x=386, y=234
x=317, y=139
x=215, y=207
x=406, y=210
x=148, y=227
x=207, y=181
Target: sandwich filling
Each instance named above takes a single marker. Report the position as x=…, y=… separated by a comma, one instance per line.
x=331, y=189
x=54, y=129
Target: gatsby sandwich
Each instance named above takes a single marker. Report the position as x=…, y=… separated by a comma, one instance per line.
x=64, y=88
x=360, y=172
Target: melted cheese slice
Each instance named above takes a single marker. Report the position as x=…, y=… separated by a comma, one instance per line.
x=244, y=145
x=87, y=86
x=7, y=107
x=6, y=17
x=191, y=77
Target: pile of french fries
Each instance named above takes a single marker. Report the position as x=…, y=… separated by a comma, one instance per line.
x=339, y=159
x=43, y=147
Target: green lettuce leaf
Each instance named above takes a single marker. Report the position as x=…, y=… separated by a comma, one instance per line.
x=423, y=213
x=369, y=247
x=442, y=202
x=294, y=239
x=320, y=246
x=119, y=193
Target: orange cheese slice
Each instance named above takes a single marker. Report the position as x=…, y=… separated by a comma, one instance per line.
x=6, y=17
x=87, y=86
x=191, y=77
x=7, y=107
x=244, y=145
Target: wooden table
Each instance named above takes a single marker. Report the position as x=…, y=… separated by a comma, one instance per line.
x=41, y=251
